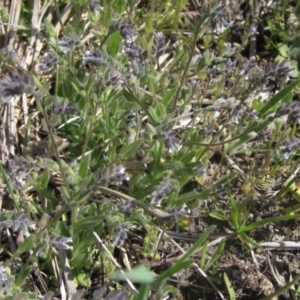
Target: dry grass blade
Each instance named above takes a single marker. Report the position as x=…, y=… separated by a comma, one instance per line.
x=48, y=296
x=14, y=16
x=278, y=277
x=59, y=278
x=64, y=17
x=114, y=261
x=67, y=274
x=199, y=269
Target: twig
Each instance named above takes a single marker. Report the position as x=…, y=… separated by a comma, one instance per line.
x=151, y=210
x=281, y=245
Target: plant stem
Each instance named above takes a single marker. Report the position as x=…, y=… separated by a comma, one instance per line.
x=187, y=65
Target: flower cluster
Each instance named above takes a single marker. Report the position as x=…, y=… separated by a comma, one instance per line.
x=130, y=120
x=234, y=109
x=200, y=170
x=256, y=76
x=162, y=190
x=60, y=242
x=17, y=168
x=179, y=212
x=274, y=72
x=277, y=71
x=287, y=149
x=113, y=174
x=131, y=49
x=42, y=34
x=246, y=66
x=4, y=281
x=121, y=236
x=15, y=84
x=63, y=107
x=96, y=58
x=292, y=109
x=125, y=29
x=113, y=78
x=68, y=42
x=95, y=6
x=20, y=221
x=219, y=17
x=230, y=67
x=126, y=207
x=172, y=141
x=158, y=45
x=47, y=64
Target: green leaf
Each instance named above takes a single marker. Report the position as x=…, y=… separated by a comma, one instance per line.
x=65, y=192
x=203, y=255
x=45, y=179
x=180, y=265
x=283, y=50
x=154, y=116
x=188, y=197
x=130, y=97
x=113, y=43
x=143, y=292
x=161, y=111
x=114, y=107
x=8, y=185
x=138, y=274
x=166, y=100
x=257, y=104
x=293, y=65
x=49, y=28
x=84, y=166
x=229, y=287
x=277, y=98
x=75, y=87
x=83, y=280
x=88, y=222
x=287, y=98
x=131, y=149
x=234, y=215
x=216, y=255
x=269, y=220
x=73, y=179
x=27, y=245
x=243, y=236
x=294, y=52
x=22, y=275
x=217, y=216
